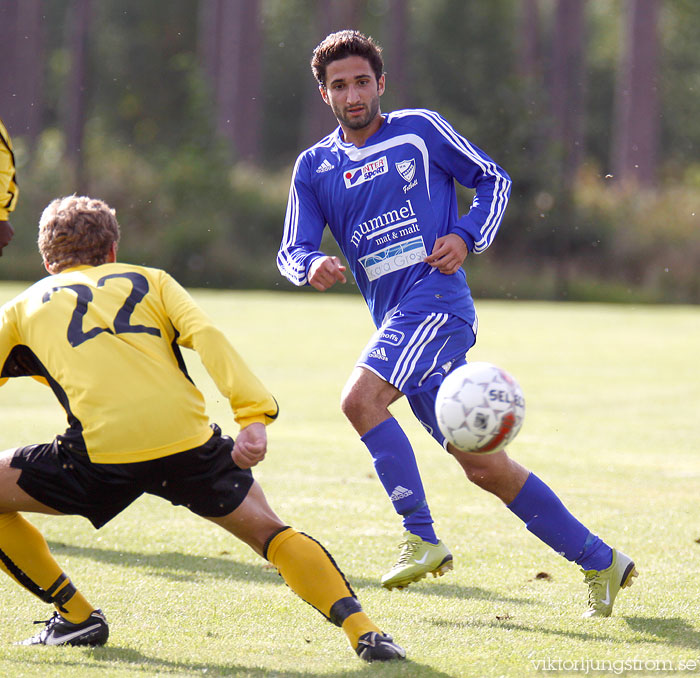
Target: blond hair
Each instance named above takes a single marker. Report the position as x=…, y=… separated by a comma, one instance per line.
x=77, y=230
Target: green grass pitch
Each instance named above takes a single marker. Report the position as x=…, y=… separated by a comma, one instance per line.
x=612, y=424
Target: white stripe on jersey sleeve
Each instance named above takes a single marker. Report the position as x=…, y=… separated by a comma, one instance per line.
x=499, y=199
x=289, y=265
x=290, y=261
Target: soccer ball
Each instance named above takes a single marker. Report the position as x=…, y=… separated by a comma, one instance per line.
x=479, y=407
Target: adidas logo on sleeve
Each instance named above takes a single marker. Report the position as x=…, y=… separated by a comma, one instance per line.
x=325, y=166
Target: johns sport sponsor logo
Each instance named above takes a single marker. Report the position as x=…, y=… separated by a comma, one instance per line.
x=367, y=172
x=394, y=258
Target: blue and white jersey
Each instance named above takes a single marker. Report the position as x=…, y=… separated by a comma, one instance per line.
x=386, y=203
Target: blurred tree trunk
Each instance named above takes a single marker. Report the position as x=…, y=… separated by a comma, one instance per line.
x=208, y=41
x=636, y=130
x=397, y=56
x=21, y=52
x=79, y=23
x=329, y=16
x=568, y=87
x=250, y=68
x=341, y=14
x=529, y=71
x=528, y=65
x=230, y=52
x=567, y=97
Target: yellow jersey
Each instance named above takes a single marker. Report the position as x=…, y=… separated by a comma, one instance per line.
x=106, y=339
x=9, y=191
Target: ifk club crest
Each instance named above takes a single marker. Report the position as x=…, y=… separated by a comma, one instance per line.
x=407, y=169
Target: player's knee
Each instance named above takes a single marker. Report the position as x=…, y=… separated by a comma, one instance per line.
x=495, y=473
x=485, y=478
x=353, y=405
x=485, y=472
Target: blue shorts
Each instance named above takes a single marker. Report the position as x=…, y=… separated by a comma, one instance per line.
x=414, y=352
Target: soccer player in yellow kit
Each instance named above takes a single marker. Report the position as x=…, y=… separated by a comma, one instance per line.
x=9, y=191
x=106, y=338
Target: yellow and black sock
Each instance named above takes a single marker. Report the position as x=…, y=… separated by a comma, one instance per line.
x=25, y=556
x=310, y=571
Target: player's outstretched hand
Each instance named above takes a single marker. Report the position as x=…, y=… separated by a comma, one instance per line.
x=326, y=272
x=448, y=254
x=250, y=446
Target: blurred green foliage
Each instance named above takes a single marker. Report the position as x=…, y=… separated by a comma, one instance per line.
x=187, y=204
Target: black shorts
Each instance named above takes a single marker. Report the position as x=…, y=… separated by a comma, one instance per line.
x=204, y=480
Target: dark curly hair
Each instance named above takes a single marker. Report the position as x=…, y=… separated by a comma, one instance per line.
x=343, y=44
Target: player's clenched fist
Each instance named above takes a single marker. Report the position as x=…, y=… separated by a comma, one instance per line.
x=326, y=272
x=250, y=446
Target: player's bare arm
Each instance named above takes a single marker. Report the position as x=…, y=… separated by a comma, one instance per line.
x=326, y=272
x=250, y=447
x=449, y=253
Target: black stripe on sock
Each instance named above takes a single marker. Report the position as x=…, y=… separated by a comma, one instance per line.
x=54, y=587
x=343, y=608
x=24, y=579
x=64, y=595
x=268, y=541
x=414, y=509
x=335, y=565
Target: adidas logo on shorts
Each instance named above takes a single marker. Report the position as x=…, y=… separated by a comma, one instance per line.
x=379, y=354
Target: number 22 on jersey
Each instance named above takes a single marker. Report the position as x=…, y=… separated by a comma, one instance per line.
x=122, y=320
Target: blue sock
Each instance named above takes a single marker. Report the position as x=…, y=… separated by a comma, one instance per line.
x=597, y=555
x=397, y=469
x=548, y=519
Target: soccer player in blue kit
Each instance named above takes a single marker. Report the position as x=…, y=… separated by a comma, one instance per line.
x=384, y=185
